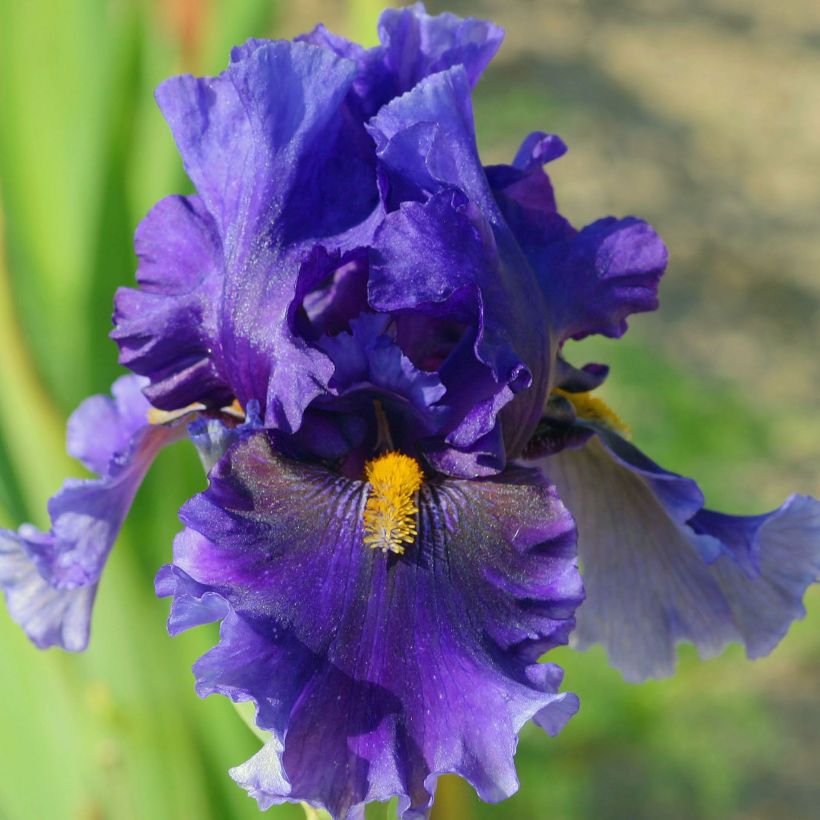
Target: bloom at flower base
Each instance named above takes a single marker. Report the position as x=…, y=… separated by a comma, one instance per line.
x=360, y=328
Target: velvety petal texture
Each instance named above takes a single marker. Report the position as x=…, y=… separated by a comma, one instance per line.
x=376, y=672
x=659, y=569
x=50, y=578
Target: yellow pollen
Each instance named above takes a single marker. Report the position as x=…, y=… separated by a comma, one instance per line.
x=390, y=511
x=234, y=409
x=592, y=408
x=157, y=416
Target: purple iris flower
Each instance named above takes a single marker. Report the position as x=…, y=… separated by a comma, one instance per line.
x=360, y=328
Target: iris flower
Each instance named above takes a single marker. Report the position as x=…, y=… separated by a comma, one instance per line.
x=360, y=327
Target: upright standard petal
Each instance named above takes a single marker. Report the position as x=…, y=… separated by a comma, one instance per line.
x=426, y=144
x=259, y=144
x=417, y=44
x=377, y=672
x=50, y=578
x=413, y=46
x=658, y=569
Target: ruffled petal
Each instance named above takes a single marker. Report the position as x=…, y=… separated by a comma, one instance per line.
x=417, y=44
x=593, y=279
x=658, y=569
x=331, y=291
x=102, y=426
x=260, y=144
x=167, y=329
x=49, y=616
x=525, y=195
x=769, y=562
x=377, y=673
x=368, y=360
x=425, y=141
x=604, y=273
x=249, y=136
x=462, y=276
x=414, y=45
x=50, y=578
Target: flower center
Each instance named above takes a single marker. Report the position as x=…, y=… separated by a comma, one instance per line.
x=390, y=511
x=591, y=408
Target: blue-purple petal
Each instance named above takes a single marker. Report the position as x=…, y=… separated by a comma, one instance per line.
x=413, y=45
x=50, y=578
x=462, y=276
x=167, y=329
x=425, y=141
x=593, y=279
x=659, y=570
x=417, y=44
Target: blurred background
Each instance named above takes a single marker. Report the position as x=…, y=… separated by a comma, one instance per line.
x=702, y=116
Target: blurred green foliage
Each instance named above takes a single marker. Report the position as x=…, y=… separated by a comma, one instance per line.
x=118, y=731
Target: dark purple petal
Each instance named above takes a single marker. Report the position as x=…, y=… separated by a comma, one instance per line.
x=370, y=367
x=260, y=144
x=331, y=290
x=368, y=358
x=377, y=673
x=658, y=570
x=50, y=578
x=579, y=380
x=525, y=195
x=441, y=259
x=250, y=136
x=426, y=146
x=593, y=279
x=483, y=457
x=167, y=330
x=292, y=94
x=598, y=277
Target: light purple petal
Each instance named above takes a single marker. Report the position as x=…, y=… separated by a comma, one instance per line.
x=657, y=571
x=49, y=616
x=102, y=426
x=769, y=562
x=50, y=578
